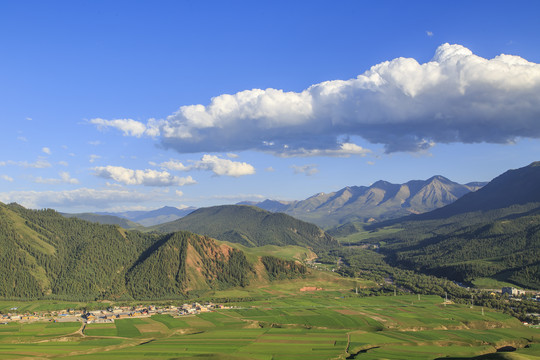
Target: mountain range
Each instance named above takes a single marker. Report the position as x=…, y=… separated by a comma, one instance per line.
x=365, y=204
x=493, y=232
x=380, y=201
x=152, y=217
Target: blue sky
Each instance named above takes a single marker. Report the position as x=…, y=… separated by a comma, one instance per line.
x=117, y=105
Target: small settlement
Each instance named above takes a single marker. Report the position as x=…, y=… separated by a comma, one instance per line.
x=110, y=314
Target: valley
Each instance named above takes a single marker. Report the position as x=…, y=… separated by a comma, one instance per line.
x=426, y=285
x=270, y=180
x=282, y=322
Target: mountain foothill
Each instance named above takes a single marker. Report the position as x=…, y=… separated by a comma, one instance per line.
x=459, y=232
x=493, y=232
x=46, y=255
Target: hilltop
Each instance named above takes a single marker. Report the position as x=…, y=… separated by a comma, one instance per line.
x=105, y=220
x=250, y=226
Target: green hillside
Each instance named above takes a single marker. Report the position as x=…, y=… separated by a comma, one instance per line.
x=46, y=255
x=250, y=226
x=514, y=187
x=503, y=244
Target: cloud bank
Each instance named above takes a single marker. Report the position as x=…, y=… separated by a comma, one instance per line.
x=146, y=177
x=457, y=97
x=83, y=197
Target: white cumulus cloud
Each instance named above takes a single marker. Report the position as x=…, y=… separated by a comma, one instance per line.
x=405, y=105
x=46, y=150
x=127, y=126
x=146, y=177
x=224, y=166
x=212, y=163
x=174, y=165
x=6, y=178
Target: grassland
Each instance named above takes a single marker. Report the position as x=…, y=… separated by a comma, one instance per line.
x=365, y=236
x=488, y=283
x=289, y=252
x=282, y=322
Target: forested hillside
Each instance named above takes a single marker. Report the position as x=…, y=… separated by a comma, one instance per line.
x=250, y=226
x=494, y=232
x=503, y=244
x=45, y=255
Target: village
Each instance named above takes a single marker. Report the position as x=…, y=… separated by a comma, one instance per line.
x=108, y=315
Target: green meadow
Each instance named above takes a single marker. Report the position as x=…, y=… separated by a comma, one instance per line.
x=292, y=324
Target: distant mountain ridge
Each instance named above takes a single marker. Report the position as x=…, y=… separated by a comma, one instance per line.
x=152, y=217
x=380, y=201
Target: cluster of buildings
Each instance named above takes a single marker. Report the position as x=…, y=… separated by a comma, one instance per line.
x=109, y=314
x=512, y=291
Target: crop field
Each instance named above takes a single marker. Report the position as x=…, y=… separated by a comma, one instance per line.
x=31, y=306
x=302, y=325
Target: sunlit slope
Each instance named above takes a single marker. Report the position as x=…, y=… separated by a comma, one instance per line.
x=45, y=255
x=493, y=232
x=250, y=226
x=380, y=201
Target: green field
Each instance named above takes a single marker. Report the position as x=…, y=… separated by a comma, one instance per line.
x=363, y=235
x=488, y=283
x=326, y=324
